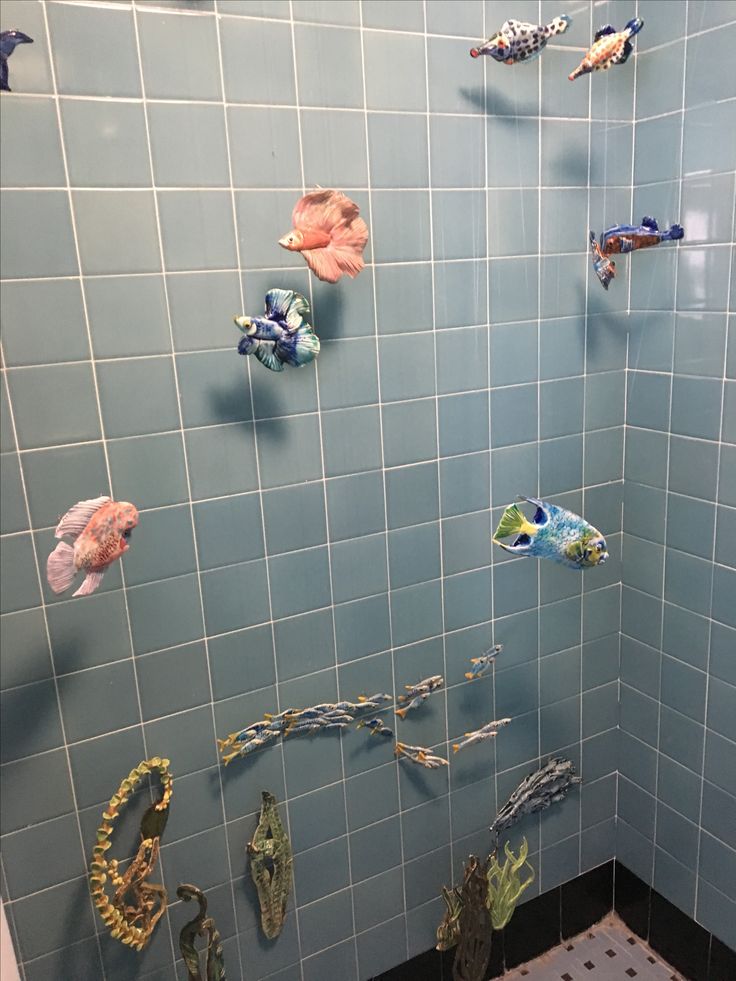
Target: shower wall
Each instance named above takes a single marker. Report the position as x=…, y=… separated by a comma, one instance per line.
x=324, y=532
x=677, y=784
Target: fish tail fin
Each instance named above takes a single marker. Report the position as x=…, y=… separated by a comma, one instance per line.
x=91, y=583
x=60, y=569
x=676, y=232
x=469, y=675
x=362, y=698
x=560, y=24
x=513, y=522
x=222, y=744
x=402, y=712
x=421, y=756
x=634, y=26
x=455, y=747
x=306, y=346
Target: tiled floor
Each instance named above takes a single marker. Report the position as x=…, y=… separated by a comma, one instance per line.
x=607, y=951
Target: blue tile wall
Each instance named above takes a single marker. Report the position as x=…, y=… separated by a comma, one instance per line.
x=321, y=533
x=679, y=489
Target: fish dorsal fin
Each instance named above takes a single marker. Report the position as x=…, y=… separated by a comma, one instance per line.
x=324, y=209
x=510, y=25
x=649, y=222
x=287, y=307
x=267, y=357
x=602, y=31
x=77, y=518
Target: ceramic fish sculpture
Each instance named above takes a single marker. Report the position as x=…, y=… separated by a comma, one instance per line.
x=419, y=754
x=8, y=42
x=416, y=694
x=621, y=239
x=329, y=233
x=100, y=530
x=553, y=533
x=271, y=866
x=505, y=885
x=482, y=665
x=283, y=335
x=610, y=47
x=488, y=731
x=517, y=41
x=536, y=792
x=376, y=727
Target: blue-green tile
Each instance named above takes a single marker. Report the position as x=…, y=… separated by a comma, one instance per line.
x=563, y=212
x=414, y=554
x=604, y=456
x=250, y=130
x=450, y=168
x=127, y=316
x=25, y=649
x=362, y=627
x=106, y=143
x=36, y=235
x=408, y=16
x=31, y=912
x=116, y=231
x=268, y=80
x=702, y=278
x=560, y=464
x=693, y=466
x=31, y=153
x=705, y=87
x=67, y=341
x=513, y=221
x=39, y=784
x=513, y=415
x=321, y=131
x=188, y=145
x=562, y=285
x=165, y=613
x=696, y=407
x=170, y=46
x=31, y=71
x=172, y=681
x=304, y=644
x=304, y=581
x=355, y=505
x=407, y=366
x=514, y=289
x=294, y=518
x=412, y=495
x=458, y=224
x=242, y=661
x=385, y=88
x=561, y=408
x=416, y=612
x=699, y=343
x=331, y=48
x=724, y=580
x=351, y=440
x=322, y=11
x=465, y=542
x=648, y=401
x=690, y=525
x=163, y=547
x=657, y=149
x=56, y=843
x=202, y=306
x=468, y=372
x=148, y=471
x=728, y=431
x=75, y=629
x=460, y=296
x=213, y=388
x=348, y=374
x=709, y=138
x=564, y=152
x=508, y=342
x=13, y=515
x=235, y=597
x=513, y=152
x=123, y=413
x=359, y=568
x=100, y=700
x=262, y=217
x=611, y=150
x=113, y=71
x=467, y=598
x=702, y=213
x=64, y=419
x=463, y=423
x=465, y=483
x=687, y=581
x=398, y=150
x=36, y=701
x=197, y=229
x=228, y=530
x=401, y=226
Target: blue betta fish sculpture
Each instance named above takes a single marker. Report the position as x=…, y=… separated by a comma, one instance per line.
x=283, y=335
x=517, y=42
x=620, y=239
x=8, y=42
x=553, y=533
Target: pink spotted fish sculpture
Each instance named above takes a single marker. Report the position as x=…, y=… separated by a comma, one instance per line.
x=99, y=530
x=329, y=233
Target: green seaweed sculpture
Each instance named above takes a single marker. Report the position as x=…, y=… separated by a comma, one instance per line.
x=474, y=925
x=201, y=926
x=448, y=932
x=271, y=866
x=504, y=884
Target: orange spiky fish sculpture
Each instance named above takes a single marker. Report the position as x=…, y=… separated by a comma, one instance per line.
x=100, y=530
x=329, y=233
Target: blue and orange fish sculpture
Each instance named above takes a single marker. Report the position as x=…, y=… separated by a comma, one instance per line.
x=553, y=533
x=8, y=42
x=482, y=665
x=100, y=530
x=610, y=47
x=283, y=335
x=418, y=693
x=376, y=727
x=329, y=233
x=517, y=41
x=621, y=239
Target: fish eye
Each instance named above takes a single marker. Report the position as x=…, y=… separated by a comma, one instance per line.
x=599, y=547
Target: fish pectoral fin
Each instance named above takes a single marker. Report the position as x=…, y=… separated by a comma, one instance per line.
x=602, y=31
x=90, y=584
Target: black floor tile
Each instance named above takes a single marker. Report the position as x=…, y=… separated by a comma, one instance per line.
x=534, y=928
x=631, y=900
x=722, y=966
x=586, y=899
x=680, y=941
x=496, y=963
x=423, y=967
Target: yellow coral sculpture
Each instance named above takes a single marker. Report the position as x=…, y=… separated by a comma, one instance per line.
x=504, y=884
x=132, y=921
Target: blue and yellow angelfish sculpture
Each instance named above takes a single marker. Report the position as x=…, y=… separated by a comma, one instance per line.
x=283, y=336
x=553, y=533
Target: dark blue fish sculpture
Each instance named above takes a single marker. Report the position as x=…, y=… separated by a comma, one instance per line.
x=621, y=239
x=283, y=335
x=553, y=533
x=8, y=41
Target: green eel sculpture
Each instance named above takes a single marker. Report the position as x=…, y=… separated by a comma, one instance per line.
x=201, y=926
x=271, y=866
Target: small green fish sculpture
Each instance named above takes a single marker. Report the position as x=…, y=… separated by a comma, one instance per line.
x=201, y=926
x=504, y=884
x=271, y=866
x=553, y=533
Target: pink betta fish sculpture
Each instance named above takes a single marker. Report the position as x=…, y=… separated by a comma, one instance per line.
x=329, y=233
x=610, y=47
x=99, y=530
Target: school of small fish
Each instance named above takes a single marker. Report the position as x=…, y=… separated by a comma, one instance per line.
x=553, y=533
x=418, y=693
x=419, y=754
x=480, y=666
x=488, y=731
